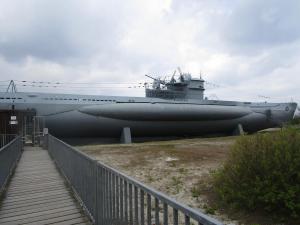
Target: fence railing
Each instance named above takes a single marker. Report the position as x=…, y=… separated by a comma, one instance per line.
x=6, y=138
x=112, y=197
x=9, y=155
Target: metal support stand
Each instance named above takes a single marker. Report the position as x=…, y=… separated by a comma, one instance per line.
x=238, y=130
x=45, y=138
x=126, y=136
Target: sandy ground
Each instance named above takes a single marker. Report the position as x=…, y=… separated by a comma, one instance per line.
x=172, y=167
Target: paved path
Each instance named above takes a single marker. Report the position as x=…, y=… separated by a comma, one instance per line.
x=38, y=195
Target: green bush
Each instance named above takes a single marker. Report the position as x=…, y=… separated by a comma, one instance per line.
x=262, y=172
x=294, y=121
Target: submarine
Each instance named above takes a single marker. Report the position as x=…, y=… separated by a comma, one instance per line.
x=176, y=107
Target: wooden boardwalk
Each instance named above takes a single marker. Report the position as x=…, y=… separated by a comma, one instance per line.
x=37, y=194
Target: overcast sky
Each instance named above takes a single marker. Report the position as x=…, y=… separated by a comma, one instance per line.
x=250, y=48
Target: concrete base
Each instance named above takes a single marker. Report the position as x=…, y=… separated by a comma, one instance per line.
x=238, y=130
x=126, y=136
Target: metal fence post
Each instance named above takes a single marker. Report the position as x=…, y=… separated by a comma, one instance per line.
x=96, y=193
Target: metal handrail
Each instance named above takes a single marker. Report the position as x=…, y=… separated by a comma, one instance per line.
x=6, y=138
x=9, y=156
x=112, y=197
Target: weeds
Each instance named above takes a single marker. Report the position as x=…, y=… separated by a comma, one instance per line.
x=176, y=183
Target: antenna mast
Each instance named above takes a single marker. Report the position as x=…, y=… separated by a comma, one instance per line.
x=11, y=87
x=179, y=70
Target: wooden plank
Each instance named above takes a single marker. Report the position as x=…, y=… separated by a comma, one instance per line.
x=43, y=217
x=28, y=201
x=40, y=179
x=35, y=191
x=48, y=193
x=36, y=188
x=57, y=219
x=36, y=203
x=71, y=222
x=26, y=178
x=21, y=217
x=47, y=207
x=31, y=186
x=36, y=208
x=33, y=170
x=5, y=203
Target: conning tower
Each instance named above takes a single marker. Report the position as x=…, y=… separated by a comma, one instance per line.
x=185, y=87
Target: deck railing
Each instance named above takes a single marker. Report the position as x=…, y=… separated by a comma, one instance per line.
x=6, y=138
x=9, y=155
x=111, y=197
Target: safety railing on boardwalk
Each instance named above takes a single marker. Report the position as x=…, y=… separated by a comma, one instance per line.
x=9, y=155
x=112, y=197
x=6, y=138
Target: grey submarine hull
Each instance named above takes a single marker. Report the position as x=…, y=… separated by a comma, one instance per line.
x=163, y=120
x=106, y=116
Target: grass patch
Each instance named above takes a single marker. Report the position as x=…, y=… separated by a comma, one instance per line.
x=196, y=192
x=176, y=183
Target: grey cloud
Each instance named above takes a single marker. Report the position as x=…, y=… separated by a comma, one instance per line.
x=58, y=30
x=263, y=23
x=263, y=36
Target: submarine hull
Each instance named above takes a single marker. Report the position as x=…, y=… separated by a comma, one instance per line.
x=109, y=120
x=106, y=116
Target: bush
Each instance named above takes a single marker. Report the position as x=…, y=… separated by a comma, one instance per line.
x=295, y=121
x=262, y=172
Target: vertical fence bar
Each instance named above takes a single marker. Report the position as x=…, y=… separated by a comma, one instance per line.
x=149, y=222
x=117, y=198
x=136, y=206
x=121, y=200
x=110, y=196
x=175, y=216
x=187, y=220
x=103, y=203
x=106, y=196
x=96, y=215
x=130, y=205
x=142, y=194
x=156, y=211
x=126, y=200
x=114, y=197
x=166, y=216
x=102, y=195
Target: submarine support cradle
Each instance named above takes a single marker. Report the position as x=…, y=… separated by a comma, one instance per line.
x=126, y=136
x=239, y=130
